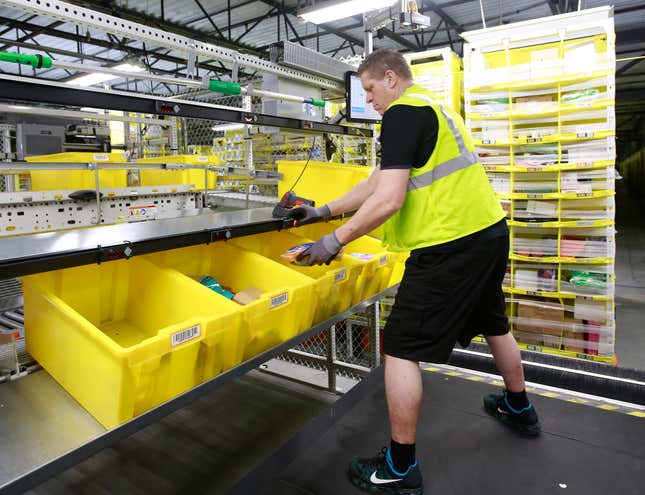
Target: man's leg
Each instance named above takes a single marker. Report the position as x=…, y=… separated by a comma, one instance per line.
x=396, y=470
x=509, y=360
x=513, y=407
x=403, y=390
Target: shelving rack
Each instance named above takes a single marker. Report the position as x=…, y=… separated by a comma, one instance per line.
x=539, y=102
x=439, y=71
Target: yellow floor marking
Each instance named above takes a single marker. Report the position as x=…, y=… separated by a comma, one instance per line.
x=453, y=373
x=475, y=378
x=608, y=407
x=497, y=383
x=578, y=401
x=432, y=369
x=638, y=414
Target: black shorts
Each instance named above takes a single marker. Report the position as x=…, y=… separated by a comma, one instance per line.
x=445, y=298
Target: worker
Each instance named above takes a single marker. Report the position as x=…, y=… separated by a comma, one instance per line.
x=433, y=198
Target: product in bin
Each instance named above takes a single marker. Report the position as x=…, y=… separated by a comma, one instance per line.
x=214, y=285
x=362, y=256
x=292, y=254
x=247, y=295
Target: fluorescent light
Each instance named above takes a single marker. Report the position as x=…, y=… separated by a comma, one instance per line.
x=98, y=77
x=19, y=107
x=91, y=110
x=227, y=127
x=332, y=11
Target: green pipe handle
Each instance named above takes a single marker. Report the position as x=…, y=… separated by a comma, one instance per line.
x=36, y=61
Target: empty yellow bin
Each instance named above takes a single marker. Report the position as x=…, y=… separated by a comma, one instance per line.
x=125, y=336
x=286, y=306
x=51, y=180
x=335, y=284
x=377, y=263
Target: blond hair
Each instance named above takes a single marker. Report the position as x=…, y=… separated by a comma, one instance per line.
x=379, y=61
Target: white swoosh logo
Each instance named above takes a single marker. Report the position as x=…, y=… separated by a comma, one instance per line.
x=378, y=481
x=502, y=411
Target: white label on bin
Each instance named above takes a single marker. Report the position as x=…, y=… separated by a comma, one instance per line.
x=382, y=261
x=185, y=335
x=340, y=276
x=279, y=300
x=100, y=157
x=202, y=159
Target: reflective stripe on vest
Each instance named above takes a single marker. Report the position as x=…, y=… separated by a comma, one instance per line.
x=464, y=160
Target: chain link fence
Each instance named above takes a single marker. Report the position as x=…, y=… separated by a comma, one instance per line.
x=350, y=348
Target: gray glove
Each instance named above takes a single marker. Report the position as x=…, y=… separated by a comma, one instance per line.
x=322, y=251
x=302, y=215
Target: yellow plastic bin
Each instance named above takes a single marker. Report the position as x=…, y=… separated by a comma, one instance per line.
x=196, y=177
x=286, y=306
x=398, y=269
x=125, y=336
x=321, y=181
x=335, y=284
x=377, y=263
x=51, y=180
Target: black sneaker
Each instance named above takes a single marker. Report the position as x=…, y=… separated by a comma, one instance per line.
x=378, y=475
x=524, y=421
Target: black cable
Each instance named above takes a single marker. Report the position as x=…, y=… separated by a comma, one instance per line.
x=305, y=167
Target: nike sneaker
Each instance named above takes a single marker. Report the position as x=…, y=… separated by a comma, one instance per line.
x=377, y=475
x=524, y=421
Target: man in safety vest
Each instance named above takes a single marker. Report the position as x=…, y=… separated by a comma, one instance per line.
x=434, y=199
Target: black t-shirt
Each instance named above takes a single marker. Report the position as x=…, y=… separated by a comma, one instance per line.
x=408, y=136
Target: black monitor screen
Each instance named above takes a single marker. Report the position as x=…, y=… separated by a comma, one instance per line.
x=358, y=110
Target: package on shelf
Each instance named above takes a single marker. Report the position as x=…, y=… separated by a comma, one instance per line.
x=491, y=103
x=536, y=102
x=534, y=128
x=488, y=156
x=589, y=151
x=535, y=242
x=536, y=277
x=535, y=183
x=587, y=243
x=588, y=181
x=536, y=155
x=585, y=280
x=587, y=209
x=495, y=130
x=536, y=210
x=501, y=182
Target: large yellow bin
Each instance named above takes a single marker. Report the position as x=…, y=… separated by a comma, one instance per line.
x=335, y=284
x=52, y=180
x=125, y=336
x=377, y=263
x=321, y=181
x=196, y=177
x=286, y=306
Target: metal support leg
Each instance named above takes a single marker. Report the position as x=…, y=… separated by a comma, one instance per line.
x=331, y=357
x=374, y=315
x=98, y=192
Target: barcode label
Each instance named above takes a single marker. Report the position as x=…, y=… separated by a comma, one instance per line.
x=534, y=140
x=584, y=224
x=584, y=135
x=100, y=157
x=185, y=335
x=488, y=141
x=279, y=300
x=340, y=275
x=584, y=195
x=202, y=159
x=382, y=261
x=584, y=164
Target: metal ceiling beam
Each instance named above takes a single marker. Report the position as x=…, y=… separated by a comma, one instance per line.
x=210, y=20
x=57, y=51
x=444, y=15
x=108, y=7
x=35, y=32
x=102, y=43
x=258, y=20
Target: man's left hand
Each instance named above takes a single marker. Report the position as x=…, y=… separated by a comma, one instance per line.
x=322, y=251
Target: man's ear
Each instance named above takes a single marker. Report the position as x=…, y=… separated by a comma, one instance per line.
x=391, y=78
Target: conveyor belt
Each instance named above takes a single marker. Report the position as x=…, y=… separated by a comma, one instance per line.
x=582, y=451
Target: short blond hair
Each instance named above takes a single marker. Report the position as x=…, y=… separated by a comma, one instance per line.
x=379, y=61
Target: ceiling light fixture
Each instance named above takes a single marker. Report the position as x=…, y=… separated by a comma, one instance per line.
x=98, y=77
x=323, y=12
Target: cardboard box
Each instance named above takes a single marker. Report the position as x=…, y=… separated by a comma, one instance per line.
x=247, y=296
x=573, y=341
x=528, y=338
x=534, y=98
x=536, y=312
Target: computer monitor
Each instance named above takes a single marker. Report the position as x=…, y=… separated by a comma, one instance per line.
x=358, y=110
